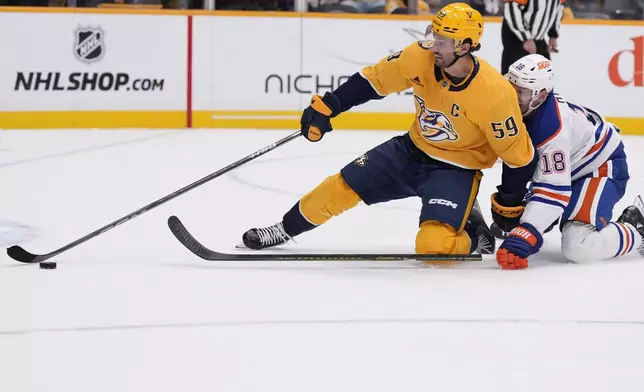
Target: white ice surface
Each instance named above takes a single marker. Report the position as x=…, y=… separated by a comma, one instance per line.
x=132, y=310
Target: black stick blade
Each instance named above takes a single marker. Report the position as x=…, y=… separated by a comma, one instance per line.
x=19, y=254
x=181, y=233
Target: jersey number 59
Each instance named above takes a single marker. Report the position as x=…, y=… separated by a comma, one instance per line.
x=507, y=128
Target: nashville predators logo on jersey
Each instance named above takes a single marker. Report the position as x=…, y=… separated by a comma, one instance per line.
x=434, y=125
x=362, y=160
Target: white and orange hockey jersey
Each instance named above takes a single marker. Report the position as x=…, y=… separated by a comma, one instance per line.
x=572, y=142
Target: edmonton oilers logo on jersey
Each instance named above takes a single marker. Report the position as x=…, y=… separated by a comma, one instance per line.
x=434, y=125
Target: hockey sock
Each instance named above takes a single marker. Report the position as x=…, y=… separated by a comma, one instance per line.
x=628, y=239
x=331, y=198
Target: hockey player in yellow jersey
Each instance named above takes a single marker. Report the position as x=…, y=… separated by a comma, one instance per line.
x=467, y=116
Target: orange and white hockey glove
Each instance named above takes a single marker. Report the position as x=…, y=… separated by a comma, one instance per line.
x=523, y=241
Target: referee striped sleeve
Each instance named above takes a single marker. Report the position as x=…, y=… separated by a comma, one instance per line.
x=513, y=15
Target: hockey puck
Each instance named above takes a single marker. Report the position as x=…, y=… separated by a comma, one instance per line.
x=48, y=265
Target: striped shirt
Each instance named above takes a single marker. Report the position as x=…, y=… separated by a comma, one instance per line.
x=533, y=19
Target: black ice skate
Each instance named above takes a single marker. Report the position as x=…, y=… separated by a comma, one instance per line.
x=265, y=237
x=633, y=215
x=498, y=233
x=481, y=236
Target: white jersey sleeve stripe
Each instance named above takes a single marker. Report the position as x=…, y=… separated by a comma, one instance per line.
x=550, y=202
x=553, y=187
x=558, y=196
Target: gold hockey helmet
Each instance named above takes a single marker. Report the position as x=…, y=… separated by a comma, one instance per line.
x=458, y=21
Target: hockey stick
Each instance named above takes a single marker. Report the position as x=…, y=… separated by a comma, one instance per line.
x=184, y=236
x=19, y=254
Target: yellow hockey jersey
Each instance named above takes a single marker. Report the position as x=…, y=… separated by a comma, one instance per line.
x=469, y=124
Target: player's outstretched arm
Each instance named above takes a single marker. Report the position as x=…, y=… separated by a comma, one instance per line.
x=373, y=82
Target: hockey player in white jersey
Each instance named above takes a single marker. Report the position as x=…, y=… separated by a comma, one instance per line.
x=582, y=174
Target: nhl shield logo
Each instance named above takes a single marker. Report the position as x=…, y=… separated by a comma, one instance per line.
x=89, y=46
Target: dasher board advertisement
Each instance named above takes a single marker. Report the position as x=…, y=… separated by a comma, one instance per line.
x=262, y=71
x=71, y=62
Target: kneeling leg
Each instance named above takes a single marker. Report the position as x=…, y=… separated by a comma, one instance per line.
x=448, y=196
x=582, y=242
x=441, y=238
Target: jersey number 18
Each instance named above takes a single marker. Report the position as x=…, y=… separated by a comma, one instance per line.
x=555, y=161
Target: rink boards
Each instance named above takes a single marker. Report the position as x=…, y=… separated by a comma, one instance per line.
x=100, y=68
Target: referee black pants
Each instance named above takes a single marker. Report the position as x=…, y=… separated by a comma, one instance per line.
x=513, y=49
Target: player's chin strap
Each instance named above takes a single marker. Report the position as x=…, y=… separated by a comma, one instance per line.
x=534, y=102
x=457, y=57
x=532, y=106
